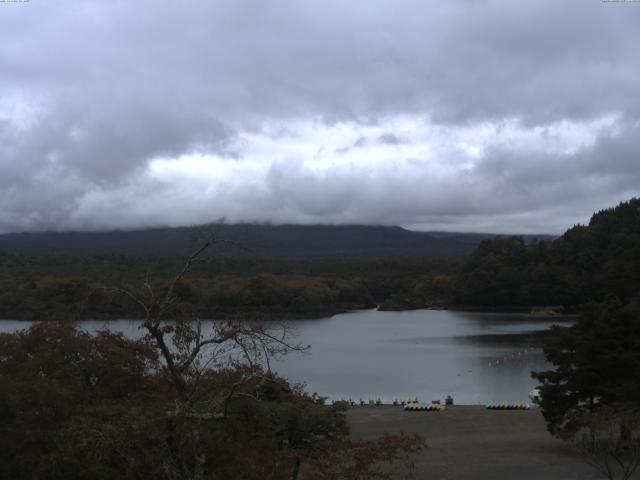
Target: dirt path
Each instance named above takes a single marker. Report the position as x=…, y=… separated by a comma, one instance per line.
x=469, y=442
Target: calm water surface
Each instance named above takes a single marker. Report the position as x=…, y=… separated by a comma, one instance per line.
x=475, y=357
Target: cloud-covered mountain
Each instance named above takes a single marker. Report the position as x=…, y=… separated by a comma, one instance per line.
x=471, y=115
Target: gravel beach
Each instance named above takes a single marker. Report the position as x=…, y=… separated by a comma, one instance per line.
x=470, y=442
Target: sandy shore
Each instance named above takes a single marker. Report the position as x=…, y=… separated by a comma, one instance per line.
x=469, y=442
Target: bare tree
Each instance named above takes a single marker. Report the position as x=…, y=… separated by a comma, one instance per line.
x=189, y=350
x=609, y=441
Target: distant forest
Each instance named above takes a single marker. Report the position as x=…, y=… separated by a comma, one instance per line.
x=317, y=275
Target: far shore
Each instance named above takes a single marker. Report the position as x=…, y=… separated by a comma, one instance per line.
x=528, y=312
x=531, y=310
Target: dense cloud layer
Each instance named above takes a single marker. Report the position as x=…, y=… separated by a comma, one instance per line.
x=471, y=115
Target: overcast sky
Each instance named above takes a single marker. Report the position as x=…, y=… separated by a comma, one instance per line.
x=468, y=115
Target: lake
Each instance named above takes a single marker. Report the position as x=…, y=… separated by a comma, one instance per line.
x=476, y=358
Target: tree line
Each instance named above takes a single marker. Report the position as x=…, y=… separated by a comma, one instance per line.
x=68, y=287
x=75, y=298
x=591, y=396
x=588, y=263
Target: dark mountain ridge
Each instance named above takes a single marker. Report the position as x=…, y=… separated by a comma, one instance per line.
x=298, y=242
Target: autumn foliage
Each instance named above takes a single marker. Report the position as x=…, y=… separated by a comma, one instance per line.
x=81, y=406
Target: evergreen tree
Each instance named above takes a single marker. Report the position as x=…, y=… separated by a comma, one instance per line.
x=597, y=363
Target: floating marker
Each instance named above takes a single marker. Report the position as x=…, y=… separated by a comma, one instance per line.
x=508, y=406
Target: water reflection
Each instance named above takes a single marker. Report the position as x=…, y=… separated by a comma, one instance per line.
x=477, y=358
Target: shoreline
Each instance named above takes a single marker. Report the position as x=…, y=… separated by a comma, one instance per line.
x=311, y=315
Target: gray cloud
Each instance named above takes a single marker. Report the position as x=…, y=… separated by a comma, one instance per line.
x=361, y=142
x=94, y=92
x=389, y=138
x=507, y=190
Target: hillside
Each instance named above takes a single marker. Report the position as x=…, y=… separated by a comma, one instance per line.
x=296, y=242
x=588, y=263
